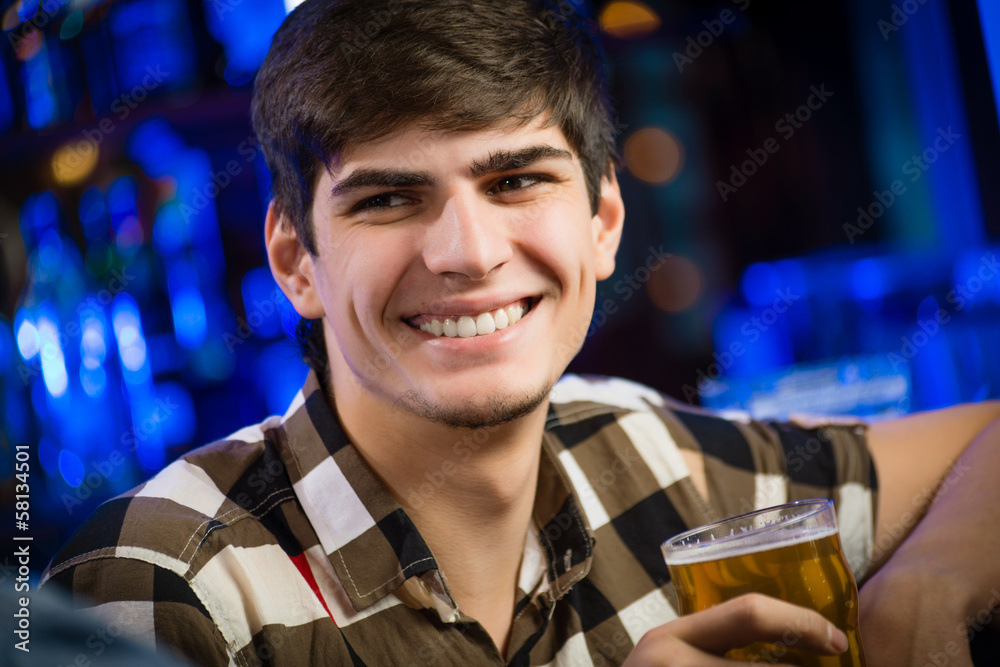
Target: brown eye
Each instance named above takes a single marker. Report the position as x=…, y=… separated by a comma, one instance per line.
x=511, y=183
x=385, y=200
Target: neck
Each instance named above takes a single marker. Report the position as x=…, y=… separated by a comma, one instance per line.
x=470, y=492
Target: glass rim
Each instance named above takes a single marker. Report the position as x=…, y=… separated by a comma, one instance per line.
x=821, y=504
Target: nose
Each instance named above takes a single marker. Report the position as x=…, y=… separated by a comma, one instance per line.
x=469, y=238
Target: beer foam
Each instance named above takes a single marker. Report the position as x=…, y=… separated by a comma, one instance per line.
x=742, y=544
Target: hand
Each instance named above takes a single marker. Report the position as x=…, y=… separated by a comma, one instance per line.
x=704, y=637
x=913, y=616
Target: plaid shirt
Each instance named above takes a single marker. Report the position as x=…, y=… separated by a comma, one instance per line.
x=280, y=546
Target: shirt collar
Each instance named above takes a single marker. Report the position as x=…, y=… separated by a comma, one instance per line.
x=371, y=542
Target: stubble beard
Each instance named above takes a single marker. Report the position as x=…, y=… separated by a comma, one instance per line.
x=494, y=411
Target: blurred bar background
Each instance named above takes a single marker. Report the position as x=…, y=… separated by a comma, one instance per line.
x=813, y=222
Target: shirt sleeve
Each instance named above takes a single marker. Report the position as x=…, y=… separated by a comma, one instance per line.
x=833, y=461
x=751, y=464
x=145, y=603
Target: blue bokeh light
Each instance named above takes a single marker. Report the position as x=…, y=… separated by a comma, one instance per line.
x=93, y=380
x=169, y=231
x=70, y=467
x=6, y=103
x=53, y=362
x=148, y=417
x=153, y=46
x=177, y=415
x=284, y=371
x=93, y=341
x=39, y=213
x=93, y=338
x=262, y=301
x=131, y=342
x=989, y=12
x=93, y=213
x=760, y=284
x=28, y=340
x=245, y=29
x=7, y=346
x=40, y=94
x=50, y=249
x=867, y=281
x=122, y=203
x=26, y=9
x=190, y=323
x=155, y=145
x=975, y=277
x=928, y=310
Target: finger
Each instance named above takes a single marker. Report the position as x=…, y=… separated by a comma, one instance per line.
x=754, y=617
x=659, y=648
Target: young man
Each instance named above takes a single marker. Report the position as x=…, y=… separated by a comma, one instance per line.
x=444, y=203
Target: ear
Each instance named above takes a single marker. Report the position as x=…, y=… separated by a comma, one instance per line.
x=291, y=264
x=607, y=226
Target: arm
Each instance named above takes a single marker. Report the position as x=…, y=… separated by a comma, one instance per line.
x=937, y=539
x=914, y=456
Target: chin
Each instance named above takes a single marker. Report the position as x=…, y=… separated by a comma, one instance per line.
x=472, y=414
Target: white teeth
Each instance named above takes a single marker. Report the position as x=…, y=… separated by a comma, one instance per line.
x=485, y=324
x=466, y=327
x=482, y=325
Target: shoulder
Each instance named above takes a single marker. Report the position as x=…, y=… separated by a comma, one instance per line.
x=735, y=463
x=595, y=420
x=612, y=392
x=735, y=450
x=579, y=398
x=617, y=393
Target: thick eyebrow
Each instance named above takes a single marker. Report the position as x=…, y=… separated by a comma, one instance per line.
x=381, y=178
x=495, y=162
x=498, y=161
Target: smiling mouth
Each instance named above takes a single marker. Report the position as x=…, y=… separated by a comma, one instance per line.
x=468, y=326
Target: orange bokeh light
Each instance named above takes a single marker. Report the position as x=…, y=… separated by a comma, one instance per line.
x=675, y=285
x=10, y=18
x=653, y=155
x=29, y=45
x=74, y=161
x=628, y=20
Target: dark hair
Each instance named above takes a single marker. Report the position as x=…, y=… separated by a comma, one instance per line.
x=342, y=72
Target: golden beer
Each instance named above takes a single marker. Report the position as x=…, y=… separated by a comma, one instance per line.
x=794, y=559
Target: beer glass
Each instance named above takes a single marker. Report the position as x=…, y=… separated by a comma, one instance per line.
x=791, y=552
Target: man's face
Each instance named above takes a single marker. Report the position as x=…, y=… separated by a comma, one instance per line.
x=428, y=240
